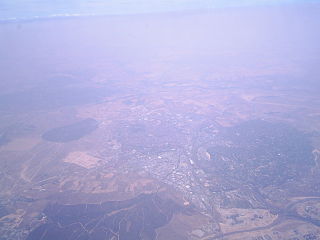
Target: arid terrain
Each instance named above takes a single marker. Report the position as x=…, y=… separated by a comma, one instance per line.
x=159, y=140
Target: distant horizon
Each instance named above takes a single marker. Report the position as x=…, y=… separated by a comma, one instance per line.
x=36, y=9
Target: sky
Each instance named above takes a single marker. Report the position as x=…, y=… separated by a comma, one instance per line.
x=25, y=9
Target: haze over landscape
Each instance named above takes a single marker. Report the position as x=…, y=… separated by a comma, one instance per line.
x=159, y=120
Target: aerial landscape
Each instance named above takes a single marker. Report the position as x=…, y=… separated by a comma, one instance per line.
x=199, y=124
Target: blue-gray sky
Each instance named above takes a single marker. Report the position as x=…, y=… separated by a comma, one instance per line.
x=24, y=9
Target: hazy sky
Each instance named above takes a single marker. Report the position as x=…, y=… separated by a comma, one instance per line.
x=44, y=8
